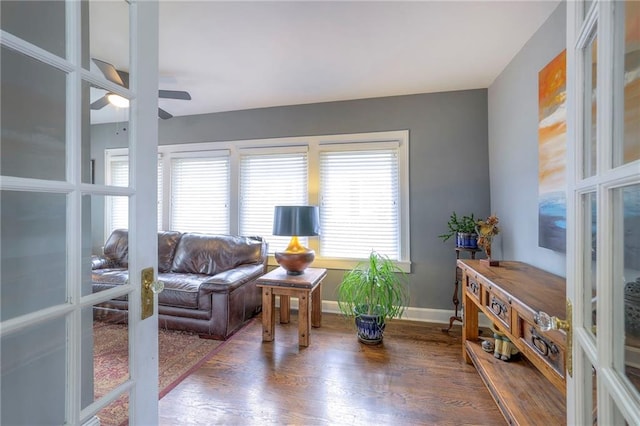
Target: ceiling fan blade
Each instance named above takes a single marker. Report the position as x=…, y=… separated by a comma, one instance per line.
x=164, y=114
x=125, y=77
x=100, y=103
x=110, y=72
x=174, y=94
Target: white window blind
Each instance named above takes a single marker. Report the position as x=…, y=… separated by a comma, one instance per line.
x=266, y=181
x=359, y=203
x=118, y=207
x=200, y=190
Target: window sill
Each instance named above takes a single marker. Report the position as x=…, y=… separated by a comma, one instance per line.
x=343, y=264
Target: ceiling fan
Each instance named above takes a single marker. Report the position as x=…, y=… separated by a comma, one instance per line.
x=122, y=78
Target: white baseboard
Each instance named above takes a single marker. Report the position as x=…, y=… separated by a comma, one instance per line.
x=438, y=316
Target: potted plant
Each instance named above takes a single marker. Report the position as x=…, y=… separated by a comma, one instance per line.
x=464, y=229
x=372, y=292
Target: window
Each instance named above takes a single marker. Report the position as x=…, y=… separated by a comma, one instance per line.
x=117, y=207
x=360, y=182
x=200, y=193
x=268, y=178
x=117, y=215
x=359, y=201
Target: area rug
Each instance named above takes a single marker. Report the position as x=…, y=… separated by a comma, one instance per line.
x=180, y=353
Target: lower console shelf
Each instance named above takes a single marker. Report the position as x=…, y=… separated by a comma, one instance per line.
x=522, y=393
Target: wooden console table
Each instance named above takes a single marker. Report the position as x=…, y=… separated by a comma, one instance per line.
x=305, y=287
x=531, y=389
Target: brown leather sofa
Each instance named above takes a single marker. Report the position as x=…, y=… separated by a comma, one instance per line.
x=209, y=280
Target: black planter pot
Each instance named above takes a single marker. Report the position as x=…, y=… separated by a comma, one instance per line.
x=370, y=328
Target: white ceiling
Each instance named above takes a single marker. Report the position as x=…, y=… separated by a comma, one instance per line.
x=241, y=55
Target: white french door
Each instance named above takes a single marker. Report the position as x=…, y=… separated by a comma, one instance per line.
x=51, y=209
x=603, y=269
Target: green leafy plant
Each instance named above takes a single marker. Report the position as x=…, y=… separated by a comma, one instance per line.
x=464, y=224
x=376, y=287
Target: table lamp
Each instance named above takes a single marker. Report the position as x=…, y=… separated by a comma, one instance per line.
x=295, y=221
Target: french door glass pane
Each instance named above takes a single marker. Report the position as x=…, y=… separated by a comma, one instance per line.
x=105, y=337
x=34, y=374
x=108, y=58
x=630, y=140
x=33, y=116
x=628, y=250
x=33, y=268
x=589, y=258
x=589, y=157
x=591, y=404
x=46, y=20
x=95, y=208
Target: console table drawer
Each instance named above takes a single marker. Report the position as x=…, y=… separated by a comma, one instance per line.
x=500, y=306
x=473, y=286
x=544, y=347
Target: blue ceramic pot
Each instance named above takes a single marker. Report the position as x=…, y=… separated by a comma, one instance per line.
x=370, y=328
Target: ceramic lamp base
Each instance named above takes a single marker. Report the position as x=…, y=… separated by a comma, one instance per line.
x=295, y=263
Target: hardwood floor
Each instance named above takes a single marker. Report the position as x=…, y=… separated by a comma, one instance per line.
x=416, y=377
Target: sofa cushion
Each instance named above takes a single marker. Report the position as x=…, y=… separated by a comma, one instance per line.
x=167, y=243
x=116, y=248
x=181, y=290
x=212, y=254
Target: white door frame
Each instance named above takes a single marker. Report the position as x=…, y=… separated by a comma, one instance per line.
x=143, y=92
x=600, y=352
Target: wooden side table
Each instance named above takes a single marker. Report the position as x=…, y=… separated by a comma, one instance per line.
x=304, y=287
x=455, y=299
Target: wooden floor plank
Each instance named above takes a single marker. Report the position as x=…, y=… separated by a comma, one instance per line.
x=416, y=377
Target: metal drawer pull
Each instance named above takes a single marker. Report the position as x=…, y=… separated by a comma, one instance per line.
x=497, y=306
x=542, y=345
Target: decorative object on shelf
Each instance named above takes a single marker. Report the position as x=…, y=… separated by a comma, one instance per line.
x=503, y=349
x=372, y=292
x=487, y=229
x=464, y=229
x=488, y=346
x=294, y=222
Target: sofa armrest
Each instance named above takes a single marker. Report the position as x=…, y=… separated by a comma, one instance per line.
x=233, y=278
x=100, y=262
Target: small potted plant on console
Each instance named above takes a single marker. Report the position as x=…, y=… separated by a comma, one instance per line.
x=464, y=229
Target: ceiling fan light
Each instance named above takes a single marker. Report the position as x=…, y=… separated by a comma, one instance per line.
x=117, y=100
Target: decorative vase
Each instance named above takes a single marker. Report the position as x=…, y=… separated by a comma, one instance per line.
x=467, y=240
x=370, y=329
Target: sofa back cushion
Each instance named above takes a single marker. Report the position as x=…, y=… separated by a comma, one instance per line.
x=167, y=243
x=212, y=254
x=116, y=248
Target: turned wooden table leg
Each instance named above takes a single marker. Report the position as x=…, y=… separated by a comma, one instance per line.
x=268, y=314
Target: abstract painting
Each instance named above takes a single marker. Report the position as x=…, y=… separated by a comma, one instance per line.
x=552, y=130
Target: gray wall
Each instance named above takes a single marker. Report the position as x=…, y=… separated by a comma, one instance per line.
x=513, y=147
x=448, y=162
